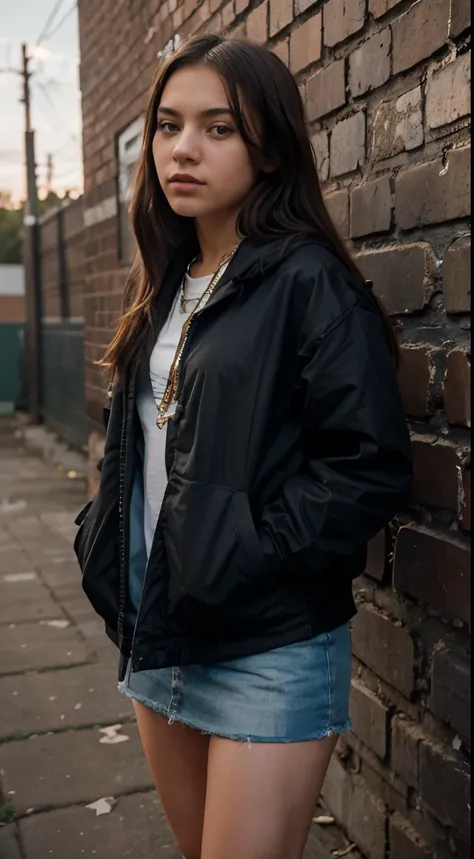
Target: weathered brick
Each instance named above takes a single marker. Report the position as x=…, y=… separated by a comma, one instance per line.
x=257, y=24
x=405, y=739
x=302, y=6
x=377, y=555
x=414, y=379
x=337, y=788
x=326, y=91
x=450, y=697
x=337, y=205
x=370, y=718
x=402, y=275
x=398, y=125
x=347, y=146
x=404, y=841
x=385, y=648
x=434, y=192
x=434, y=569
x=437, y=464
x=371, y=208
x=369, y=65
x=377, y=8
x=228, y=15
x=282, y=50
x=366, y=820
x=460, y=17
x=457, y=388
x=427, y=17
x=341, y=19
x=451, y=804
x=457, y=277
x=320, y=142
x=305, y=43
x=281, y=14
x=357, y=808
x=377, y=773
x=466, y=501
x=448, y=92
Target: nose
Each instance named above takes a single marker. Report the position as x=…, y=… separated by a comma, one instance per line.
x=187, y=146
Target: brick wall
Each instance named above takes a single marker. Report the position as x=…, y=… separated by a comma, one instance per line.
x=386, y=85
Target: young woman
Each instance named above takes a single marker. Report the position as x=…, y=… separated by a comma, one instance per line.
x=256, y=442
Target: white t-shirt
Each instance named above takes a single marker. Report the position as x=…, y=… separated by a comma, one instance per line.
x=150, y=390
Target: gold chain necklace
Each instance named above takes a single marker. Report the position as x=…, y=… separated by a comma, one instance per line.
x=173, y=378
x=183, y=301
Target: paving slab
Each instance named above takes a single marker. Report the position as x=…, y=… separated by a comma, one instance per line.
x=58, y=569
x=34, y=646
x=14, y=560
x=23, y=600
x=58, y=700
x=55, y=770
x=134, y=829
x=78, y=608
x=9, y=845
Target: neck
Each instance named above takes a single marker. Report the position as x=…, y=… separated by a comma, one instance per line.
x=215, y=241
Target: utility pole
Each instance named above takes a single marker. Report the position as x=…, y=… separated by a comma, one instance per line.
x=49, y=173
x=32, y=365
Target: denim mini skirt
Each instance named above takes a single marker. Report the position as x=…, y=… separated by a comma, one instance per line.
x=293, y=693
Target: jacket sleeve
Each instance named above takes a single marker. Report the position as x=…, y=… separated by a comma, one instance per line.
x=357, y=470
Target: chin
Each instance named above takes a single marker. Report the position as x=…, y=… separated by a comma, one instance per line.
x=188, y=208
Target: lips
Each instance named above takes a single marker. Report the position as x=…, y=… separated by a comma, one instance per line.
x=184, y=179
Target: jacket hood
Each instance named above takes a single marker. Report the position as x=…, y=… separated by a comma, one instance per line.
x=254, y=259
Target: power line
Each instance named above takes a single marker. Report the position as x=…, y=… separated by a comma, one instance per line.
x=51, y=104
x=50, y=20
x=61, y=22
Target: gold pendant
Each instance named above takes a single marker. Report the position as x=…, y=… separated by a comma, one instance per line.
x=161, y=420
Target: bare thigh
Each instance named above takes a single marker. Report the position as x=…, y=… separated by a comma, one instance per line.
x=177, y=757
x=261, y=797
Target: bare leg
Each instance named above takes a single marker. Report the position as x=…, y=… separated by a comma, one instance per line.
x=261, y=797
x=177, y=757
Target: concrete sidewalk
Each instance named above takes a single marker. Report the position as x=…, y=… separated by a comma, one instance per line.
x=58, y=692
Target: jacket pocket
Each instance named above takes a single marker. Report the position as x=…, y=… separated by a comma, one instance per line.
x=247, y=533
x=217, y=576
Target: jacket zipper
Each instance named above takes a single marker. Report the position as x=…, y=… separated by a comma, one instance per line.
x=214, y=299
x=123, y=548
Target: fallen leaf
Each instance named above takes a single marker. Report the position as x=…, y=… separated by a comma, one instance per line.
x=112, y=735
x=56, y=624
x=324, y=820
x=344, y=851
x=20, y=577
x=102, y=806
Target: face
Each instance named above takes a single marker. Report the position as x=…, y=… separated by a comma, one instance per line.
x=202, y=163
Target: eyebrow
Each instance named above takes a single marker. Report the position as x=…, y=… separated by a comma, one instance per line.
x=212, y=111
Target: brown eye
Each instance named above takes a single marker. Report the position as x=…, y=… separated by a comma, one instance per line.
x=221, y=131
x=167, y=127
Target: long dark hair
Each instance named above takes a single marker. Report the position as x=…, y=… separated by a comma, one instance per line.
x=284, y=203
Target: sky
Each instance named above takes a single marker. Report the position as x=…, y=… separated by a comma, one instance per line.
x=55, y=95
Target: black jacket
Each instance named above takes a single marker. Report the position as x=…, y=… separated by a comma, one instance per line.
x=288, y=451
